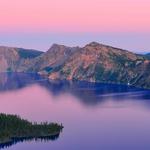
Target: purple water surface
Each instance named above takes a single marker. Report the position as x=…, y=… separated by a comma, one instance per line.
x=95, y=116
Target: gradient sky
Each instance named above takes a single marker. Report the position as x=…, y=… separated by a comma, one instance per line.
x=39, y=23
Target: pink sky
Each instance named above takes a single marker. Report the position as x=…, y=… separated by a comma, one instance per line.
x=75, y=15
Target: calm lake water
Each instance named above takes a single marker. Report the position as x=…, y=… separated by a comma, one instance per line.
x=95, y=116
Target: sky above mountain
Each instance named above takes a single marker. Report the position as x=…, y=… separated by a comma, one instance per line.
x=38, y=24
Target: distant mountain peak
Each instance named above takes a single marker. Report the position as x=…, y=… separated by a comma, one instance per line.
x=56, y=47
x=93, y=44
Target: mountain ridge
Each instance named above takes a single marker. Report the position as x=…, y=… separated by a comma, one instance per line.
x=94, y=62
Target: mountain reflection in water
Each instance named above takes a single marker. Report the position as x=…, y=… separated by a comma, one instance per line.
x=94, y=115
x=88, y=93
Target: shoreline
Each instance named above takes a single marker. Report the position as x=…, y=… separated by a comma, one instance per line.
x=13, y=139
x=13, y=128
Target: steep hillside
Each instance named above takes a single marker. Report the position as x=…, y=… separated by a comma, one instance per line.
x=94, y=62
x=51, y=60
x=100, y=63
x=14, y=59
x=28, y=53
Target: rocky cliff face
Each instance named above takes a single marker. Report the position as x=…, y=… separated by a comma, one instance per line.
x=94, y=62
x=51, y=60
x=16, y=59
x=100, y=63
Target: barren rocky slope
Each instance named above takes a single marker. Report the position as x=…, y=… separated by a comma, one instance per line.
x=94, y=62
x=100, y=63
x=16, y=59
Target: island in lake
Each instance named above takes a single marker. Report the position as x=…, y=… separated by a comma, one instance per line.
x=13, y=128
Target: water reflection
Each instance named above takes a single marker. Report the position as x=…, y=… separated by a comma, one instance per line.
x=15, y=81
x=95, y=116
x=27, y=139
x=88, y=93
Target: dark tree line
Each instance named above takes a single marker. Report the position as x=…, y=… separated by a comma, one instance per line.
x=12, y=126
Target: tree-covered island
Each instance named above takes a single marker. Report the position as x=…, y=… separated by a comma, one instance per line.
x=12, y=126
